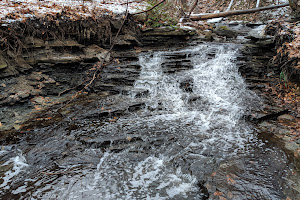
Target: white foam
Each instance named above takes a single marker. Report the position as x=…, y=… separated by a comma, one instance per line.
x=209, y=126
x=19, y=163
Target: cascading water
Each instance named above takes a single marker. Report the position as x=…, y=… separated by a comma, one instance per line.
x=191, y=124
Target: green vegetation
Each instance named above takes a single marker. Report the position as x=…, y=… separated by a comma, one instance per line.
x=223, y=28
x=163, y=15
x=283, y=78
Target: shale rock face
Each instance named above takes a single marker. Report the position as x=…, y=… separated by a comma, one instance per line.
x=59, y=40
x=53, y=57
x=42, y=58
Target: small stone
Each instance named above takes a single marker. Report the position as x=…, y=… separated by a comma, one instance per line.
x=284, y=132
x=17, y=127
x=208, y=35
x=265, y=124
x=286, y=118
x=263, y=43
x=292, y=146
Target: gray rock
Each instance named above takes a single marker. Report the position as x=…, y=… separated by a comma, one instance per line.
x=283, y=131
x=286, y=118
x=127, y=40
x=116, y=24
x=225, y=31
x=59, y=58
x=263, y=43
x=292, y=146
x=94, y=51
x=258, y=34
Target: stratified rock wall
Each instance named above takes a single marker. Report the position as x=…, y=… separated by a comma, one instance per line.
x=57, y=39
x=287, y=38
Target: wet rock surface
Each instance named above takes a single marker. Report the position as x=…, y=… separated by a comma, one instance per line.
x=82, y=142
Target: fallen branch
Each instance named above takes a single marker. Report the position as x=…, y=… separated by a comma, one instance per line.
x=196, y=17
x=150, y=8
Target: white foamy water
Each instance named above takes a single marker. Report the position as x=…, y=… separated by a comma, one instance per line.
x=202, y=126
x=17, y=165
x=164, y=90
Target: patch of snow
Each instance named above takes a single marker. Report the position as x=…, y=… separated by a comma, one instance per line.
x=215, y=20
x=185, y=27
x=11, y=11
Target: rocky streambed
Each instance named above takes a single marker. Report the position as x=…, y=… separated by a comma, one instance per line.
x=181, y=122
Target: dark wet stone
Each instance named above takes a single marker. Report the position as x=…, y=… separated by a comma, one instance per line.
x=225, y=31
x=187, y=85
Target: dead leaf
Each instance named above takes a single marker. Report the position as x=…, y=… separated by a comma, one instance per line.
x=0, y=124
x=37, y=108
x=218, y=193
x=214, y=174
x=230, y=181
x=114, y=119
x=17, y=127
x=230, y=195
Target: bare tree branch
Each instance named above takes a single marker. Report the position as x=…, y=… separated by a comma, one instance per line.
x=230, y=5
x=193, y=7
x=257, y=3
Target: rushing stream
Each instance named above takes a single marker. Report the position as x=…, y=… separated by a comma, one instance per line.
x=189, y=140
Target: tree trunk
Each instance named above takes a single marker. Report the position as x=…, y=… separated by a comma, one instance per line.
x=235, y=12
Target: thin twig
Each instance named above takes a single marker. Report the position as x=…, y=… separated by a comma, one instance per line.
x=193, y=7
